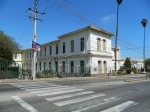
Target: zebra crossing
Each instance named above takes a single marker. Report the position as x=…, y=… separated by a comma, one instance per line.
x=75, y=99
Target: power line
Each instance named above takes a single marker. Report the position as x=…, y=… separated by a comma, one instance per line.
x=24, y=31
x=59, y=6
x=77, y=14
x=68, y=15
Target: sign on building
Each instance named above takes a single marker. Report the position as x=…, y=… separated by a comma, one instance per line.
x=36, y=46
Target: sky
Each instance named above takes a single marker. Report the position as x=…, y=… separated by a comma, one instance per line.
x=63, y=16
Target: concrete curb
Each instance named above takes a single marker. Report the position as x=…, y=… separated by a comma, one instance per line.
x=46, y=79
x=135, y=80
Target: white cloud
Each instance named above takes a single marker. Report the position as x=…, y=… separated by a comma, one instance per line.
x=108, y=18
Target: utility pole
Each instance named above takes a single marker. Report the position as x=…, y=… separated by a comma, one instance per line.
x=34, y=17
x=116, y=39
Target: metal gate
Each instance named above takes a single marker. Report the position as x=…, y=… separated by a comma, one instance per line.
x=7, y=71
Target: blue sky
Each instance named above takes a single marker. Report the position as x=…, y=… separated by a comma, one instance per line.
x=63, y=16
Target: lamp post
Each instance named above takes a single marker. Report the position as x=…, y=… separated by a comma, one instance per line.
x=118, y=3
x=144, y=22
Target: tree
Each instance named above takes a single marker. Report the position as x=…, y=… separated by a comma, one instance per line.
x=7, y=46
x=127, y=65
x=147, y=64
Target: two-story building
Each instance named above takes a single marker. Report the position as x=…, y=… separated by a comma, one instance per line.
x=87, y=49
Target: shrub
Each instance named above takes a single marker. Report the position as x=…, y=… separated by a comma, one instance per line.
x=38, y=75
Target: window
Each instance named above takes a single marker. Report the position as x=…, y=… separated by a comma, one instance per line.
x=56, y=48
x=30, y=54
x=72, y=66
x=45, y=51
x=72, y=45
x=50, y=65
x=63, y=66
x=104, y=45
x=15, y=56
x=63, y=47
x=44, y=65
x=50, y=50
x=82, y=66
x=41, y=52
x=27, y=54
x=40, y=66
x=98, y=44
x=99, y=67
x=24, y=65
x=82, y=44
x=105, y=67
x=27, y=66
x=36, y=66
x=56, y=66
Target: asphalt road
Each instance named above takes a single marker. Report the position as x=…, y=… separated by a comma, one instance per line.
x=91, y=95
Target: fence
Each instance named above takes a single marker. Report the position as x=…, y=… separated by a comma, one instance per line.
x=68, y=71
x=8, y=71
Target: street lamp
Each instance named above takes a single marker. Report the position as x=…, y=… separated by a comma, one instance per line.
x=144, y=22
x=119, y=2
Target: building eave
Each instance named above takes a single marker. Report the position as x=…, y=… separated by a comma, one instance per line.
x=86, y=28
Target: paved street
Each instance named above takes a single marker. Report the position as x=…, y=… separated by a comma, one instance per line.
x=90, y=95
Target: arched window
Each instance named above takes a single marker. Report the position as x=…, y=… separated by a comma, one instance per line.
x=105, y=67
x=99, y=67
x=98, y=44
x=104, y=45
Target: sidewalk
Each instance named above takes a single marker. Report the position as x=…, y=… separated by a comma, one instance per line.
x=132, y=77
x=46, y=79
x=128, y=78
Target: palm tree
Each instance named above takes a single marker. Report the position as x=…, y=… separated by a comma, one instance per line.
x=144, y=22
x=119, y=2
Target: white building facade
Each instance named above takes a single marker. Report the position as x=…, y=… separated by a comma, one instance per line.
x=85, y=50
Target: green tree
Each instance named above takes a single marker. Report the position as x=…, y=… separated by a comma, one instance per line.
x=147, y=64
x=127, y=65
x=7, y=46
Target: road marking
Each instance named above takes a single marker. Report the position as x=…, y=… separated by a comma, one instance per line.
x=92, y=104
x=60, y=92
x=121, y=107
x=68, y=96
x=33, y=85
x=52, y=90
x=68, y=102
x=42, y=86
x=24, y=104
x=5, y=100
x=48, y=88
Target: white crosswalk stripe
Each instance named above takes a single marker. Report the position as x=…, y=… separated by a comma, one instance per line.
x=61, y=92
x=78, y=99
x=24, y=104
x=68, y=95
x=68, y=102
x=121, y=107
x=48, y=88
x=38, y=87
x=93, y=104
x=52, y=90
